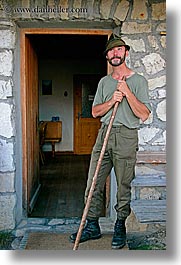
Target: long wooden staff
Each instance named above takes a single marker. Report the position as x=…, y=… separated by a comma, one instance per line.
x=94, y=180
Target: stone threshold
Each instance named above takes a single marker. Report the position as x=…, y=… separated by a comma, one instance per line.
x=52, y=225
x=57, y=225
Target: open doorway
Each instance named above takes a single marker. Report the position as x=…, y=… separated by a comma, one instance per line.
x=61, y=58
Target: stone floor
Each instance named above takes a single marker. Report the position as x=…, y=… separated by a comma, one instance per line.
x=156, y=239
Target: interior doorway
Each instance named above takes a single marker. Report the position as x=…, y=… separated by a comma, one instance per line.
x=59, y=57
x=85, y=126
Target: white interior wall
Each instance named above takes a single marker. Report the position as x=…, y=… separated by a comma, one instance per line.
x=61, y=73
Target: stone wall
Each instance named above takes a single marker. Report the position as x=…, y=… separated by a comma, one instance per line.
x=140, y=22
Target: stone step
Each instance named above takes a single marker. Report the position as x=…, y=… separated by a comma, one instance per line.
x=149, y=187
x=149, y=211
x=149, y=180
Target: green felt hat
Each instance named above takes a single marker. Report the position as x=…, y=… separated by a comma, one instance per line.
x=115, y=41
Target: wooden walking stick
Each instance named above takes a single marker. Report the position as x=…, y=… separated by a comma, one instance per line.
x=94, y=180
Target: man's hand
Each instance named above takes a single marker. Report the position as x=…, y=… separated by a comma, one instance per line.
x=122, y=87
x=139, y=109
x=117, y=97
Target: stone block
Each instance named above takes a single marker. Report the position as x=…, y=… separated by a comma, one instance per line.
x=159, y=11
x=6, y=129
x=77, y=4
x=134, y=27
x=64, y=5
x=162, y=93
x=122, y=10
x=153, y=42
x=6, y=63
x=149, y=194
x=161, y=140
x=161, y=110
x=5, y=89
x=105, y=8
x=136, y=45
x=139, y=10
x=7, y=204
x=7, y=39
x=24, y=4
x=153, y=63
x=161, y=27
x=147, y=134
x=147, y=170
x=157, y=82
x=56, y=222
x=6, y=156
x=7, y=182
x=5, y=23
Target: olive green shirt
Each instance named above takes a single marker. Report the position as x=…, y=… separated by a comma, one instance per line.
x=138, y=86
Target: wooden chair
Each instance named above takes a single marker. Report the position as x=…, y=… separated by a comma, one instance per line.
x=53, y=134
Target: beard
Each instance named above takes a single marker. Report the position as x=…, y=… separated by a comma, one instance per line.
x=116, y=60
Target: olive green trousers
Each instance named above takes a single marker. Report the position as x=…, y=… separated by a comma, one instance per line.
x=121, y=154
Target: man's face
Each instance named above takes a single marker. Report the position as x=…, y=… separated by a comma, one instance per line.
x=116, y=56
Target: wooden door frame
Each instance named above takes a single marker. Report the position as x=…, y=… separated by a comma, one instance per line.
x=23, y=33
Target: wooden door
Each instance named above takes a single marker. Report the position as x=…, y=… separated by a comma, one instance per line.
x=30, y=128
x=85, y=126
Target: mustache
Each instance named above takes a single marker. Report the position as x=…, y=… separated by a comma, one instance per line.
x=115, y=57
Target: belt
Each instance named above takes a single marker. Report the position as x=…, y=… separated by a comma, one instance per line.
x=117, y=126
x=113, y=126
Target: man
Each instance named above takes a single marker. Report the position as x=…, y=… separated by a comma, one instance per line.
x=131, y=91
